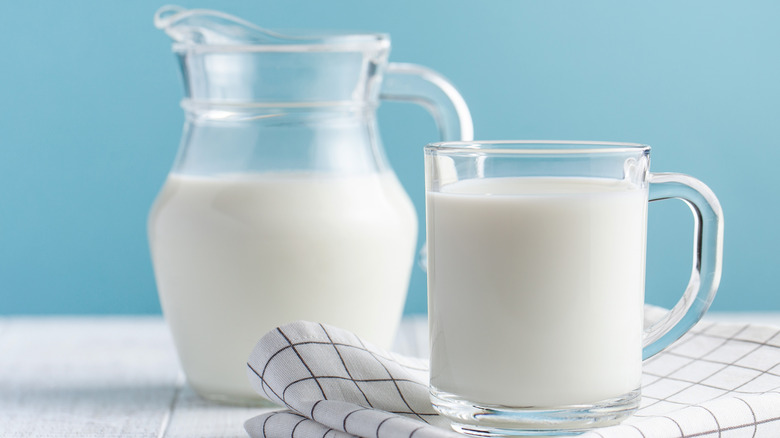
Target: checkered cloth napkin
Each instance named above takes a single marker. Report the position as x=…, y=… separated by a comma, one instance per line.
x=717, y=381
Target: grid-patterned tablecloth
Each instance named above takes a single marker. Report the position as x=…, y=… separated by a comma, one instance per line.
x=719, y=380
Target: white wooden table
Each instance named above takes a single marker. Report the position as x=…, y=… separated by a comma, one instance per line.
x=119, y=377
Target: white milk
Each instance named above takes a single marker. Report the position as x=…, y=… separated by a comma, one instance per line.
x=237, y=255
x=536, y=290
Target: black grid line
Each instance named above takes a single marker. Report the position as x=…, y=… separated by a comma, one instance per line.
x=642, y=434
x=725, y=341
x=345, y=345
x=740, y=426
x=691, y=385
x=356, y=381
x=753, y=379
x=726, y=429
x=641, y=414
x=313, y=407
x=676, y=423
x=689, y=338
x=346, y=417
x=386, y=380
x=714, y=417
x=701, y=384
x=381, y=423
x=398, y=388
x=297, y=353
x=701, y=357
x=292, y=434
x=263, y=383
x=430, y=414
x=671, y=353
x=346, y=368
x=753, y=413
x=734, y=337
x=266, y=422
x=414, y=431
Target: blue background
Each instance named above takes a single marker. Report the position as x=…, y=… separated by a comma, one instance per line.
x=90, y=123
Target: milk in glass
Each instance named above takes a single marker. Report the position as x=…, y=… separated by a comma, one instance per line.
x=536, y=288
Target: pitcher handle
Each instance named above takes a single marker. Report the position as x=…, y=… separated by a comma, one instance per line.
x=707, y=258
x=423, y=86
x=414, y=83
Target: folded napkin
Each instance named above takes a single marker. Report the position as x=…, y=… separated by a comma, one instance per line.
x=717, y=381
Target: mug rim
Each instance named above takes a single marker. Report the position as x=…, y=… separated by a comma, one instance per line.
x=533, y=147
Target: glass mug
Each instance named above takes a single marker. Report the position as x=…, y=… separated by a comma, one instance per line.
x=536, y=272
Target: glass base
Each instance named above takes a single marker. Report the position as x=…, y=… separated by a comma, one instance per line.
x=495, y=420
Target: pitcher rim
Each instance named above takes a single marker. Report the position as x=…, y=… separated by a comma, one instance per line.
x=342, y=42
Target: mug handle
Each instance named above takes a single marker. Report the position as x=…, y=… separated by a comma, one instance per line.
x=417, y=84
x=707, y=258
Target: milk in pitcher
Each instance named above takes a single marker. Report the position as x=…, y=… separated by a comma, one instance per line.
x=238, y=255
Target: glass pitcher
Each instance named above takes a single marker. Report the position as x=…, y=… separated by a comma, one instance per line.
x=281, y=205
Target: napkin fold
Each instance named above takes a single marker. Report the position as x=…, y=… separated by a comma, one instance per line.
x=719, y=380
x=335, y=384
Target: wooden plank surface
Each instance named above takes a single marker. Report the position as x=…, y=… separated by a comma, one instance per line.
x=104, y=377
x=119, y=377
x=113, y=377
x=193, y=416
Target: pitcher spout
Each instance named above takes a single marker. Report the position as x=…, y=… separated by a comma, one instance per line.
x=215, y=28
x=209, y=27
